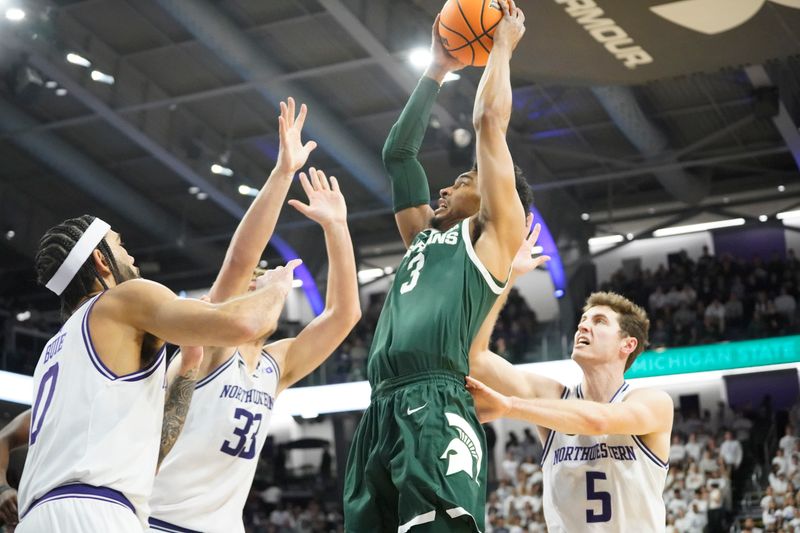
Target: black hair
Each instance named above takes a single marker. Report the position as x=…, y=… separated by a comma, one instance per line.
x=54, y=247
x=524, y=190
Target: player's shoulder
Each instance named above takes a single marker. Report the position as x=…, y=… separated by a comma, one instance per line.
x=136, y=289
x=655, y=397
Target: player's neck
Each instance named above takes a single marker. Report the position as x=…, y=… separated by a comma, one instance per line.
x=601, y=383
x=250, y=353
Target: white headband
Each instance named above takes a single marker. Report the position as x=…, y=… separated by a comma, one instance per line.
x=78, y=255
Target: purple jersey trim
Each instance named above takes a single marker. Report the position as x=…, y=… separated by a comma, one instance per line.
x=216, y=372
x=160, y=525
x=620, y=390
x=549, y=440
x=101, y=367
x=273, y=362
x=648, y=452
x=83, y=491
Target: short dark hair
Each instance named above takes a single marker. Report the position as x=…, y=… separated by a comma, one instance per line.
x=54, y=247
x=524, y=190
x=632, y=320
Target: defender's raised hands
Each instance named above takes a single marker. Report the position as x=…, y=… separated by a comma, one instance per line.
x=292, y=154
x=326, y=205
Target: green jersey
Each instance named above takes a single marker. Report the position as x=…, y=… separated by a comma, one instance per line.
x=439, y=298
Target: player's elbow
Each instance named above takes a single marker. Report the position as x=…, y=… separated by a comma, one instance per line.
x=489, y=116
x=595, y=423
x=246, y=328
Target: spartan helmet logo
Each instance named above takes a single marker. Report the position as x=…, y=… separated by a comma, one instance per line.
x=714, y=16
x=464, y=453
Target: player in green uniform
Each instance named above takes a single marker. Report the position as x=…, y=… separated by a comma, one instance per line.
x=418, y=456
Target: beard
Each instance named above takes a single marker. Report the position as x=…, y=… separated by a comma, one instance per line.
x=127, y=272
x=436, y=222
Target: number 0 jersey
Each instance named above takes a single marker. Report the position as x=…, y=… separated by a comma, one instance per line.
x=204, y=480
x=89, y=425
x=438, y=300
x=602, y=482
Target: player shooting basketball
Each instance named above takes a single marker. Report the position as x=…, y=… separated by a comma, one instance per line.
x=418, y=456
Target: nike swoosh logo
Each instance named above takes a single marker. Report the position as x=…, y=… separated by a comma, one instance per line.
x=412, y=411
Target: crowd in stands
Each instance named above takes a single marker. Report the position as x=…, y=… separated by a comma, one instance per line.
x=714, y=298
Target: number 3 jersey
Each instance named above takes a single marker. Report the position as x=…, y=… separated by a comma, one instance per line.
x=438, y=300
x=204, y=480
x=602, y=482
x=89, y=425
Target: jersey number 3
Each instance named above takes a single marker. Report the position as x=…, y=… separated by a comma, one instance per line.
x=241, y=448
x=598, y=496
x=415, y=266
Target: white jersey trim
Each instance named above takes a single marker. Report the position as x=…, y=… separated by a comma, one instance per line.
x=487, y=276
x=649, y=453
x=417, y=520
x=274, y=363
x=460, y=511
x=217, y=371
x=98, y=363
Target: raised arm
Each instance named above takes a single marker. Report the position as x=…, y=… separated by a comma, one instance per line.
x=13, y=435
x=258, y=224
x=492, y=369
x=410, y=192
x=299, y=356
x=496, y=177
x=151, y=307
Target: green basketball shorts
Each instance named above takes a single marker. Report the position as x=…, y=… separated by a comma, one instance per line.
x=418, y=459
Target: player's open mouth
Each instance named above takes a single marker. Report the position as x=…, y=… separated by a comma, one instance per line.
x=582, y=341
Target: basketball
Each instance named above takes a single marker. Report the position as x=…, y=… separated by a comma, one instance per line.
x=466, y=28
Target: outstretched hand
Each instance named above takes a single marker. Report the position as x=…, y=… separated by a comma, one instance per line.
x=489, y=404
x=292, y=154
x=326, y=205
x=511, y=27
x=8, y=508
x=524, y=261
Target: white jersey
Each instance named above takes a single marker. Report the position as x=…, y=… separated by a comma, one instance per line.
x=602, y=482
x=204, y=480
x=94, y=435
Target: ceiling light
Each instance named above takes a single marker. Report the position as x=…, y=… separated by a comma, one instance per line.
x=297, y=283
x=607, y=239
x=537, y=250
x=23, y=316
x=451, y=76
x=788, y=215
x=692, y=228
x=101, y=77
x=15, y=14
x=202, y=195
x=247, y=191
x=61, y=92
x=420, y=58
x=369, y=274
x=194, y=190
x=762, y=218
x=51, y=84
x=585, y=216
x=629, y=236
x=462, y=137
x=79, y=60
x=222, y=171
x=781, y=188
x=10, y=234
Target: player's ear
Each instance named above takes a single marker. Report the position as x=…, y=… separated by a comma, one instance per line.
x=629, y=345
x=100, y=263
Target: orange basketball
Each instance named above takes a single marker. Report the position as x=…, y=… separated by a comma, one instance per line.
x=466, y=28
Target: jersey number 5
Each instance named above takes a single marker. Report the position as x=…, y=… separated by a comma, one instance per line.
x=241, y=448
x=597, y=495
x=415, y=266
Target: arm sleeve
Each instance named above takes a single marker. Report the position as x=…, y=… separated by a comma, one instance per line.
x=409, y=182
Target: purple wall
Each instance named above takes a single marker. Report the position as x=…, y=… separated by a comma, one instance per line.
x=781, y=385
x=750, y=242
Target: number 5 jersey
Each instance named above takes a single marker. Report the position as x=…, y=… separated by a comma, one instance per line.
x=91, y=430
x=602, y=482
x=204, y=480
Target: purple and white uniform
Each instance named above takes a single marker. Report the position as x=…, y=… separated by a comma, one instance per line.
x=94, y=438
x=602, y=482
x=204, y=481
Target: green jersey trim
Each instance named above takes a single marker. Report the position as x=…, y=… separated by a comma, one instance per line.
x=496, y=287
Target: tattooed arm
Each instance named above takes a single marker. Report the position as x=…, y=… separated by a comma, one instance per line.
x=179, y=395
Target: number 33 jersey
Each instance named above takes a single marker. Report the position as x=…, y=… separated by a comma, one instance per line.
x=603, y=483
x=89, y=425
x=204, y=480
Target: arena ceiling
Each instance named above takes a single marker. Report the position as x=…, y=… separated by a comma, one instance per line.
x=197, y=82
